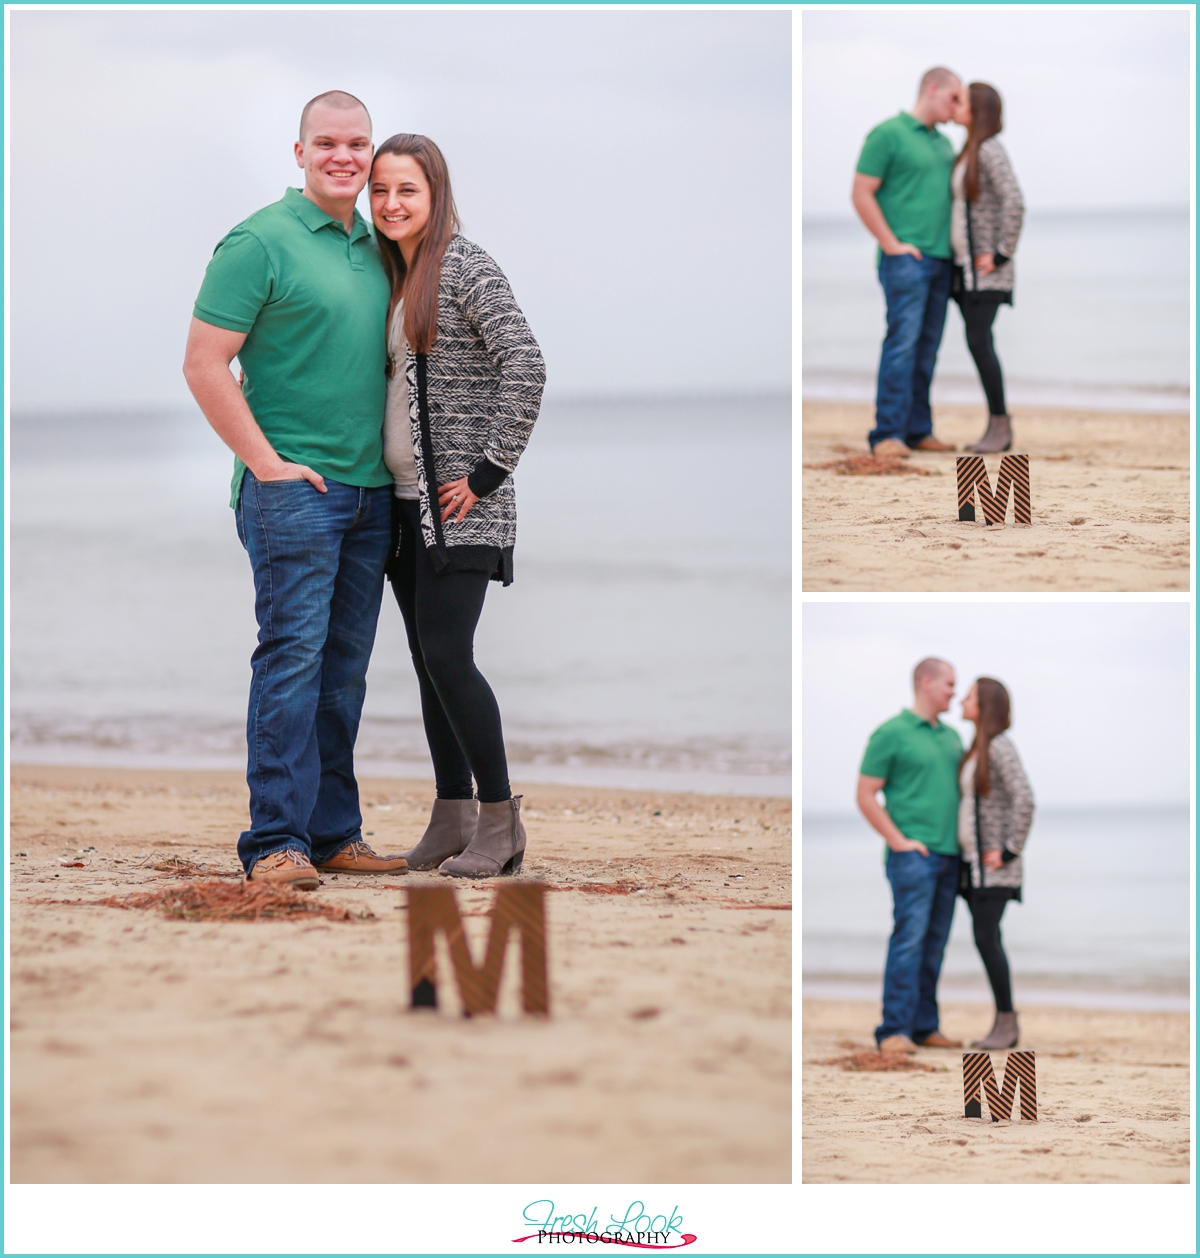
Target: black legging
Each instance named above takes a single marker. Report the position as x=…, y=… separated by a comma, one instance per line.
x=986, y=912
x=462, y=718
x=979, y=317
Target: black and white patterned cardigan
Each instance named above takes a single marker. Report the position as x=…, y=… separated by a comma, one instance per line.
x=473, y=401
x=995, y=220
x=1005, y=815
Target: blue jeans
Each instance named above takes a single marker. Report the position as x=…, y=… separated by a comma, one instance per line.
x=923, y=893
x=318, y=561
x=917, y=292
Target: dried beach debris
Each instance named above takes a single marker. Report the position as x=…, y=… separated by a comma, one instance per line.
x=218, y=901
x=182, y=867
x=871, y=1060
x=869, y=465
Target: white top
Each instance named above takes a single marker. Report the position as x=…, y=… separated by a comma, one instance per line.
x=397, y=427
x=967, y=839
x=958, y=222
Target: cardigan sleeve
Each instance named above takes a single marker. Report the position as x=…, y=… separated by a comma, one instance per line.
x=1004, y=762
x=998, y=171
x=488, y=305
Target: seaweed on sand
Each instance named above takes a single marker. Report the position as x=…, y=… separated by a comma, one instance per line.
x=877, y=1061
x=218, y=901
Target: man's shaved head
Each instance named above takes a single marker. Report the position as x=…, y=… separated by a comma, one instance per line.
x=939, y=76
x=336, y=100
x=930, y=667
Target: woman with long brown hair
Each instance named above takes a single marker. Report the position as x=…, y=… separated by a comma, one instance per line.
x=985, y=222
x=464, y=388
x=995, y=814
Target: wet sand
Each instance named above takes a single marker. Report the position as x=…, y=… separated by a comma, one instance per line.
x=1110, y=494
x=149, y=1049
x=1113, y=1094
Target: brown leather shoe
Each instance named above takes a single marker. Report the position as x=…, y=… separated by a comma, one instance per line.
x=288, y=868
x=932, y=443
x=891, y=450
x=357, y=858
x=897, y=1044
x=938, y=1040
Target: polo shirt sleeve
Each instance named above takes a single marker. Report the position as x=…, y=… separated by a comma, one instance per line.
x=238, y=283
x=878, y=757
x=876, y=155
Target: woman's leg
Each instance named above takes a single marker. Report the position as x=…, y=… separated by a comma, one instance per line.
x=979, y=317
x=451, y=770
x=986, y=912
x=448, y=606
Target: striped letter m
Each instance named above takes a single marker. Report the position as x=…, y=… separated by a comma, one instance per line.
x=517, y=907
x=978, y=1073
x=1013, y=479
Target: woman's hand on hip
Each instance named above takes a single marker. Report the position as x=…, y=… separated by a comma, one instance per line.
x=455, y=496
x=985, y=263
x=992, y=859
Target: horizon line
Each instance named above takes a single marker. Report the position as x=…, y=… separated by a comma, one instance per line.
x=826, y=814
x=848, y=215
x=17, y=411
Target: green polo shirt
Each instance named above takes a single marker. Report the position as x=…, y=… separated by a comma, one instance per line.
x=914, y=161
x=919, y=766
x=312, y=301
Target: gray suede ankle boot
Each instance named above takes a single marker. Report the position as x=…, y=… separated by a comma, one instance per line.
x=498, y=846
x=997, y=438
x=1004, y=1033
x=450, y=831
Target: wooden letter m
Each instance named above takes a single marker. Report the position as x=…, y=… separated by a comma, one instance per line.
x=973, y=478
x=519, y=907
x=977, y=1071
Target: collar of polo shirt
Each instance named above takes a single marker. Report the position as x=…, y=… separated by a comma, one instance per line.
x=314, y=218
x=916, y=123
x=920, y=720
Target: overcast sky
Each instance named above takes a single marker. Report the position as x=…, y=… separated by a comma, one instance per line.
x=1096, y=103
x=1100, y=691
x=630, y=171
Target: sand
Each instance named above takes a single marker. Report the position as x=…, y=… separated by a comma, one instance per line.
x=1113, y=1103
x=146, y=1049
x=1110, y=503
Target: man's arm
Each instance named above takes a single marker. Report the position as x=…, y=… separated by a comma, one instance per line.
x=210, y=350
x=862, y=197
x=877, y=816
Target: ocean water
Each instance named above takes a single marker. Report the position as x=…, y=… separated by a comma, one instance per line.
x=1105, y=917
x=1101, y=316
x=645, y=642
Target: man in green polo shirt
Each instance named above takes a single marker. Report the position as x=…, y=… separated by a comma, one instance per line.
x=913, y=759
x=902, y=194
x=297, y=293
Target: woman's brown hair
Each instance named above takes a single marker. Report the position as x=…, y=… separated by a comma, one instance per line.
x=419, y=287
x=995, y=716
x=986, y=121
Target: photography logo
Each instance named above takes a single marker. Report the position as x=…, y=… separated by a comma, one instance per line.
x=634, y=1228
